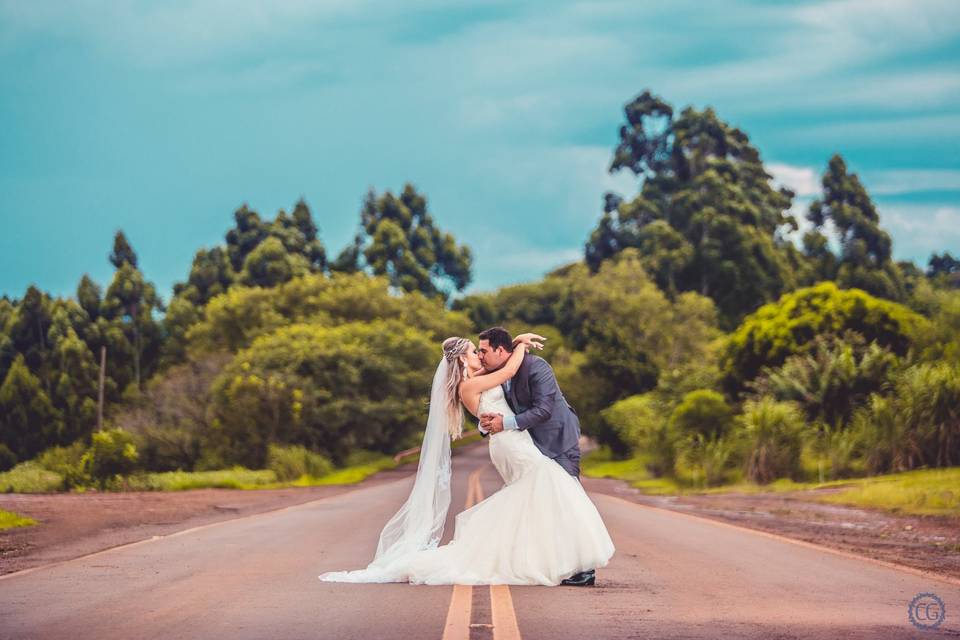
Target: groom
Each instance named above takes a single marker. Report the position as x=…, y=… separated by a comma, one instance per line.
x=539, y=405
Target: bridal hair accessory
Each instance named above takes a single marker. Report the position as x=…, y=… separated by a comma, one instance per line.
x=453, y=347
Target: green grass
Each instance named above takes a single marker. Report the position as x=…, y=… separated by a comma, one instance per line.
x=918, y=492
x=351, y=474
x=599, y=464
x=235, y=478
x=30, y=477
x=358, y=466
x=9, y=520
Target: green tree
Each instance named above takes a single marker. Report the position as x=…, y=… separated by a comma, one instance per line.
x=399, y=239
x=330, y=389
x=778, y=330
x=299, y=234
x=28, y=418
x=248, y=232
x=89, y=297
x=122, y=252
x=75, y=384
x=271, y=264
x=27, y=330
x=112, y=452
x=865, y=249
x=130, y=302
x=707, y=218
x=210, y=275
x=640, y=422
x=232, y=320
x=944, y=270
x=703, y=412
x=172, y=423
x=181, y=316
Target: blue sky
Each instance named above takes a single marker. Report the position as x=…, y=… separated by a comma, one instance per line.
x=162, y=118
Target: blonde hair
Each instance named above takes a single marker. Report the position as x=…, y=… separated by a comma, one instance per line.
x=453, y=348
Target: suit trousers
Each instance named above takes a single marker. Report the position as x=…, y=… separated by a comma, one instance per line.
x=570, y=461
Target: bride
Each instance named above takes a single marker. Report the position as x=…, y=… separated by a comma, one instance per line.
x=538, y=529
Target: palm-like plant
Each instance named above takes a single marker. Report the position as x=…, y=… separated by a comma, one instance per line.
x=918, y=424
x=772, y=436
x=709, y=457
x=832, y=379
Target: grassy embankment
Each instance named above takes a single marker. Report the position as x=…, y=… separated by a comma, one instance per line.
x=31, y=478
x=918, y=492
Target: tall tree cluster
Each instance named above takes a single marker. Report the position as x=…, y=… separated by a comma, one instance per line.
x=706, y=218
x=50, y=355
x=865, y=260
x=400, y=239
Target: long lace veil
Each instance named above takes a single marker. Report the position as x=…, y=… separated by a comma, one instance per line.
x=419, y=522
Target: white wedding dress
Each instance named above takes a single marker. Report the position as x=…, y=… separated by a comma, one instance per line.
x=540, y=528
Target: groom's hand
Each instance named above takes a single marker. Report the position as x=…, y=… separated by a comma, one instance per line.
x=492, y=422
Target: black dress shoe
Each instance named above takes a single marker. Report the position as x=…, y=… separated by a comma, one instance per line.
x=582, y=579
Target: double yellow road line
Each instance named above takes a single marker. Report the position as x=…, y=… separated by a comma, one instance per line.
x=503, y=616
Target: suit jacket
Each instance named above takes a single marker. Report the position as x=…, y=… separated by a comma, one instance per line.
x=536, y=399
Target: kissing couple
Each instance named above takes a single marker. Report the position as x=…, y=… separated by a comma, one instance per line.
x=540, y=528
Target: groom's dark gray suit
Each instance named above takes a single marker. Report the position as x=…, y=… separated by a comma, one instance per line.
x=536, y=399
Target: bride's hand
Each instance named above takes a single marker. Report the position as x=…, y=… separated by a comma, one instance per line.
x=530, y=340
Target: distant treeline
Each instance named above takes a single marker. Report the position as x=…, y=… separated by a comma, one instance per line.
x=694, y=331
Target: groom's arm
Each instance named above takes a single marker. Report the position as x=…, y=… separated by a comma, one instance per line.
x=543, y=396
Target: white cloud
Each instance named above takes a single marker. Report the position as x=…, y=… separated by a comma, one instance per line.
x=899, y=181
x=572, y=175
x=907, y=129
x=919, y=230
x=807, y=60
x=804, y=181
x=870, y=23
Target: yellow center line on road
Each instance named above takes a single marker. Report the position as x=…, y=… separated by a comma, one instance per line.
x=458, y=624
x=504, y=617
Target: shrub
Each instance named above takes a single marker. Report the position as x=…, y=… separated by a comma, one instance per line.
x=639, y=421
x=771, y=433
x=290, y=463
x=30, y=477
x=68, y=462
x=702, y=412
x=918, y=425
x=359, y=385
x=7, y=458
x=709, y=457
x=788, y=326
x=111, y=453
x=835, y=449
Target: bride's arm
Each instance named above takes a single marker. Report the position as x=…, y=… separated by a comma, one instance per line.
x=477, y=384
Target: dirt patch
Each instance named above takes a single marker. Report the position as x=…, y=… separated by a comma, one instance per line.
x=929, y=543
x=74, y=524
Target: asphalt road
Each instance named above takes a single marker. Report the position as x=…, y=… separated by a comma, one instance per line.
x=673, y=576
